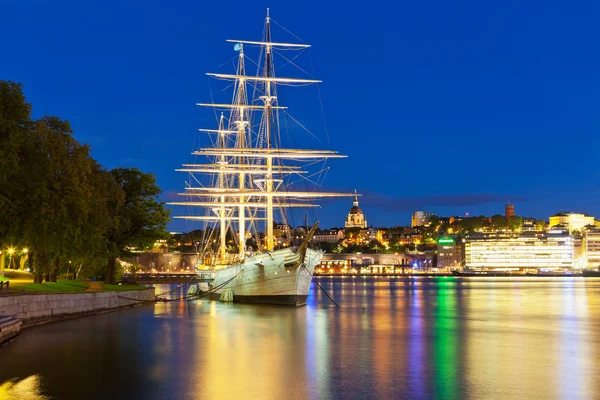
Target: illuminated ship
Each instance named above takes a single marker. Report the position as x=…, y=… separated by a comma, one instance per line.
x=247, y=179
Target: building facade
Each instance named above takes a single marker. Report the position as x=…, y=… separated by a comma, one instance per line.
x=448, y=252
x=573, y=221
x=509, y=210
x=420, y=218
x=356, y=218
x=328, y=236
x=591, y=244
x=552, y=249
x=528, y=225
x=364, y=263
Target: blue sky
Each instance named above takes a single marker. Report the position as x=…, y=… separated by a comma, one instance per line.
x=450, y=107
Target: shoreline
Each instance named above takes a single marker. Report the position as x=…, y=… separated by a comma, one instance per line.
x=433, y=275
x=19, y=312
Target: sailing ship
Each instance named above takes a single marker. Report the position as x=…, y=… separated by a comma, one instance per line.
x=249, y=173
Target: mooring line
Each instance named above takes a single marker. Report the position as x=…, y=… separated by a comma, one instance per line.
x=326, y=294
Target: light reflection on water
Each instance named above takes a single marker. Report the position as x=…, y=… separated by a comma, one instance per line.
x=450, y=338
x=28, y=388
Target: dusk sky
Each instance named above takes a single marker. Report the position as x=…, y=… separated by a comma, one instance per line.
x=449, y=107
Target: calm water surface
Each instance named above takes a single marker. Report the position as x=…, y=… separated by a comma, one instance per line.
x=409, y=338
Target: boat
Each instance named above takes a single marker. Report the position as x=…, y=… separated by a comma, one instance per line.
x=552, y=272
x=591, y=273
x=479, y=272
x=246, y=178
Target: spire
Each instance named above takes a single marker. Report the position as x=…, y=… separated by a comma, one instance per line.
x=355, y=204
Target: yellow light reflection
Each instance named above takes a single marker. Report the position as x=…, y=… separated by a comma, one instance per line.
x=29, y=388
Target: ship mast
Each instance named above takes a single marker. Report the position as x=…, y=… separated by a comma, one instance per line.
x=267, y=99
x=241, y=125
x=220, y=211
x=247, y=179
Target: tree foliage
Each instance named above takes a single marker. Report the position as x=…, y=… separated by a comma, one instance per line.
x=140, y=220
x=59, y=202
x=515, y=223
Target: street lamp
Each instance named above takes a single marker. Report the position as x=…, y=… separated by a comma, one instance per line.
x=10, y=253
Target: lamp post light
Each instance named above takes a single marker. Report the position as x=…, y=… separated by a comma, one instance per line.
x=10, y=253
x=24, y=258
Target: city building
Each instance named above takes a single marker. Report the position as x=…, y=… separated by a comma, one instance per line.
x=591, y=245
x=528, y=225
x=509, y=210
x=573, y=221
x=448, y=252
x=332, y=263
x=420, y=218
x=356, y=218
x=552, y=249
x=401, y=236
x=328, y=236
x=281, y=230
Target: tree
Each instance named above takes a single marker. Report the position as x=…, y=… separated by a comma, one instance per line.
x=139, y=221
x=56, y=200
x=58, y=194
x=515, y=223
x=90, y=247
x=499, y=222
x=14, y=126
x=540, y=225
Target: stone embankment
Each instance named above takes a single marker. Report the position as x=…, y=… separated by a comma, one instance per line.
x=23, y=311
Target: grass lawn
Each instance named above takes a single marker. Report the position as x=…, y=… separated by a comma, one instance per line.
x=3, y=278
x=69, y=286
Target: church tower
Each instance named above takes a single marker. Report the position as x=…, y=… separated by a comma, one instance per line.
x=356, y=218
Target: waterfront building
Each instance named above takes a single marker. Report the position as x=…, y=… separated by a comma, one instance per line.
x=573, y=221
x=420, y=218
x=356, y=263
x=328, y=236
x=591, y=245
x=356, y=218
x=528, y=225
x=448, y=252
x=509, y=210
x=552, y=249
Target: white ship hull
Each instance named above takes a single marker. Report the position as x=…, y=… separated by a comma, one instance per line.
x=265, y=278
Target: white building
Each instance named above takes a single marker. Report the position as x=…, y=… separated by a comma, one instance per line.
x=329, y=236
x=356, y=218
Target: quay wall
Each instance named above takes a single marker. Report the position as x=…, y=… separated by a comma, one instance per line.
x=9, y=327
x=39, y=309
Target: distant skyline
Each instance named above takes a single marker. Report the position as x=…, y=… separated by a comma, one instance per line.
x=442, y=107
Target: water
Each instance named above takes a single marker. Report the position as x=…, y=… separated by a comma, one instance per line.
x=409, y=338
